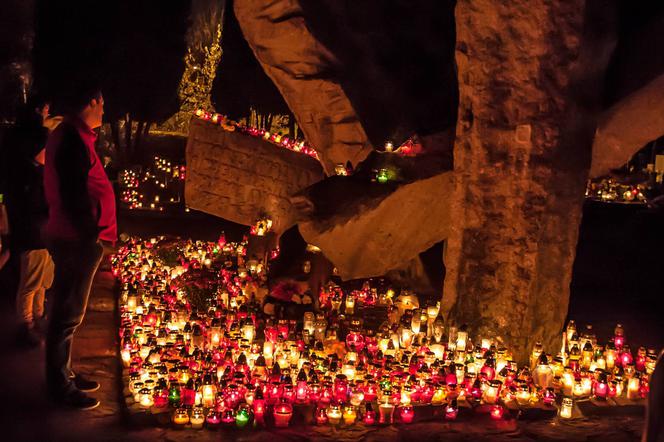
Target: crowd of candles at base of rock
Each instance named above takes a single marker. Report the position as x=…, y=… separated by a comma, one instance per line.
x=228, y=363
x=154, y=187
x=299, y=146
x=610, y=190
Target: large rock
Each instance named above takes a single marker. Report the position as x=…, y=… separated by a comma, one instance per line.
x=628, y=126
x=383, y=227
x=301, y=67
x=239, y=177
x=521, y=160
x=356, y=74
x=634, y=89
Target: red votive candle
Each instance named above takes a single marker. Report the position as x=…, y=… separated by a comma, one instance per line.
x=497, y=412
x=407, y=414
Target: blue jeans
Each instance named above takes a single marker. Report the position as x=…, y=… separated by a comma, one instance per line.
x=76, y=263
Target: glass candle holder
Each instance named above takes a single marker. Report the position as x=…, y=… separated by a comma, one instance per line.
x=341, y=388
x=566, y=408
x=145, y=398
x=349, y=415
x=496, y=412
x=633, y=388
x=406, y=414
x=212, y=420
x=548, y=396
x=492, y=392
x=334, y=415
x=197, y=417
x=259, y=407
x=321, y=416
x=523, y=395
x=385, y=413
x=283, y=413
x=228, y=417
x=369, y=415
x=243, y=416
x=180, y=417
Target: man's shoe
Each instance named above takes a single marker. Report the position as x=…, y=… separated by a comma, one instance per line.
x=79, y=400
x=85, y=385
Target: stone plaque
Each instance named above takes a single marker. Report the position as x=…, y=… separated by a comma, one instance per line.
x=239, y=177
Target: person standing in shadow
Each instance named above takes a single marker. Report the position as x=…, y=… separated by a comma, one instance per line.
x=27, y=213
x=81, y=206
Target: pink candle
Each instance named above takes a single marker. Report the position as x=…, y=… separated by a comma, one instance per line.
x=282, y=415
x=497, y=412
x=601, y=389
x=407, y=414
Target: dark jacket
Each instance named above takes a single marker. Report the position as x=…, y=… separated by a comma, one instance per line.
x=26, y=205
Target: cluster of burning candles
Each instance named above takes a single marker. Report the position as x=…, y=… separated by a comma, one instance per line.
x=611, y=190
x=154, y=187
x=299, y=146
x=228, y=364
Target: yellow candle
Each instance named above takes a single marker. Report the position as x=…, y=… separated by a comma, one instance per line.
x=181, y=417
x=334, y=415
x=438, y=396
x=568, y=383
x=633, y=388
x=566, y=407
x=349, y=415
x=197, y=418
x=491, y=393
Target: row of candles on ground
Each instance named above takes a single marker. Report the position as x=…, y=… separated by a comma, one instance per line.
x=154, y=187
x=213, y=365
x=299, y=146
x=610, y=190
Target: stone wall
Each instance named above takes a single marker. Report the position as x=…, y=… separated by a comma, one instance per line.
x=239, y=177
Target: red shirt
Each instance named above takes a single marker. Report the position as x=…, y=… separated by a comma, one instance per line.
x=65, y=161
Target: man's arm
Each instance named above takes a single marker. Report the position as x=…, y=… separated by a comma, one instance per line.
x=72, y=164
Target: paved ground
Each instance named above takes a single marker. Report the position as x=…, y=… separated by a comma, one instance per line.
x=25, y=411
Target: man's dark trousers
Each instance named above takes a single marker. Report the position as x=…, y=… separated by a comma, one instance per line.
x=76, y=263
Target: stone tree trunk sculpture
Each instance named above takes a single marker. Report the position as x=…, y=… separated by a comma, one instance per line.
x=528, y=88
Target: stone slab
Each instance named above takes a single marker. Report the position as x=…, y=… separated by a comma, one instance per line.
x=377, y=239
x=628, y=126
x=237, y=177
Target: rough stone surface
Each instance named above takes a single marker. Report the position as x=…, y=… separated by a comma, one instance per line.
x=300, y=66
x=378, y=233
x=628, y=126
x=356, y=74
x=521, y=159
x=239, y=177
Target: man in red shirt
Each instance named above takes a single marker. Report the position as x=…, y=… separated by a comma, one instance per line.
x=81, y=214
